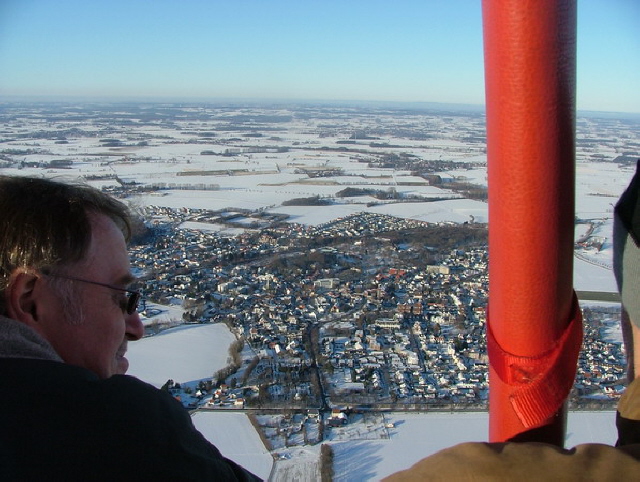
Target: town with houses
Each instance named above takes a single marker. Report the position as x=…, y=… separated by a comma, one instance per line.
x=364, y=311
x=333, y=326
x=340, y=328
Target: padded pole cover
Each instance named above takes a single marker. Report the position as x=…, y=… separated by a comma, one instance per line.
x=530, y=63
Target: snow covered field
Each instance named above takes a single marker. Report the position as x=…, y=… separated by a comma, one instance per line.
x=598, y=185
x=416, y=436
x=236, y=438
x=188, y=353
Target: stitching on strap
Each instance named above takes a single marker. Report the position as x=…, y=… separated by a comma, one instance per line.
x=540, y=384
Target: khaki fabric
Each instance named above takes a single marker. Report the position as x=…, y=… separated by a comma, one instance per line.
x=629, y=405
x=476, y=461
x=524, y=462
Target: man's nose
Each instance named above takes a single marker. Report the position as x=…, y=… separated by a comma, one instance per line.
x=135, y=328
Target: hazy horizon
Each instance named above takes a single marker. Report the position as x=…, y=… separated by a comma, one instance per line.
x=267, y=102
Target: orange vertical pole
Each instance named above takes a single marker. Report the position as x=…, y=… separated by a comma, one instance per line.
x=530, y=57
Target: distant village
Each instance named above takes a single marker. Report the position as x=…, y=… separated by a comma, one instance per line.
x=356, y=314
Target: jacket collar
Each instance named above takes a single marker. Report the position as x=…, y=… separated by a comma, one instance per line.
x=17, y=340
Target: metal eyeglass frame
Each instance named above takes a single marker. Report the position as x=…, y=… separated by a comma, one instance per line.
x=133, y=298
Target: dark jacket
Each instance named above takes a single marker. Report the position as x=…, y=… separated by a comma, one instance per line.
x=61, y=422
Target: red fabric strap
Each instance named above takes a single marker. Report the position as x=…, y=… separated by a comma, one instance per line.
x=540, y=384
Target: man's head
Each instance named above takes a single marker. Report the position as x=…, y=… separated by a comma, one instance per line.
x=63, y=268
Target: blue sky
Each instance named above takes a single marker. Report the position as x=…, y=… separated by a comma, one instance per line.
x=415, y=51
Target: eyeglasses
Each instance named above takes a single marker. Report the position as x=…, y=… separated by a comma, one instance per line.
x=133, y=297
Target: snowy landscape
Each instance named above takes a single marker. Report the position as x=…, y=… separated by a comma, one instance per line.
x=362, y=451
x=257, y=159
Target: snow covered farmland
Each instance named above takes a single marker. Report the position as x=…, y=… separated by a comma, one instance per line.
x=260, y=157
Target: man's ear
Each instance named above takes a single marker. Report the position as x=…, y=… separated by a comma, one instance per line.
x=21, y=297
